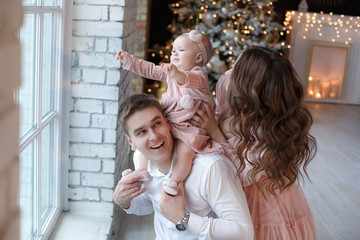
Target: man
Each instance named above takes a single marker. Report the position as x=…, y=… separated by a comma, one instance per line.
x=211, y=205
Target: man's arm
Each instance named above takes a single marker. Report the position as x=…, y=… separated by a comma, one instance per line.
x=127, y=195
x=226, y=198
x=173, y=207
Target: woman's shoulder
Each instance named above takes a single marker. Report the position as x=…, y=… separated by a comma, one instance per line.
x=223, y=80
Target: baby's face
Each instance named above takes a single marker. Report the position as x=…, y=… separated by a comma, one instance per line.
x=184, y=53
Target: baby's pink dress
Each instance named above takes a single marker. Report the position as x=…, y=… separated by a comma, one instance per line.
x=197, y=87
x=285, y=216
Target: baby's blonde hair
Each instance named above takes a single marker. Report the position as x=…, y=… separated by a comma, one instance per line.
x=207, y=46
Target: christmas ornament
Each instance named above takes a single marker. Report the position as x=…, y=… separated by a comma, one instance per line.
x=230, y=34
x=218, y=65
x=225, y=11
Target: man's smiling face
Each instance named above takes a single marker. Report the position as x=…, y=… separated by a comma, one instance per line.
x=149, y=132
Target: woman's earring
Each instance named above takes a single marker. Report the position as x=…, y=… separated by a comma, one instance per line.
x=133, y=148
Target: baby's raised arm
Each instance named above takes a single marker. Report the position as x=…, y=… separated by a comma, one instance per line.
x=172, y=71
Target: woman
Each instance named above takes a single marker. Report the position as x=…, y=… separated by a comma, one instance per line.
x=264, y=129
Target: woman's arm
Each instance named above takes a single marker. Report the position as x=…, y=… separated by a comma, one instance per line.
x=206, y=120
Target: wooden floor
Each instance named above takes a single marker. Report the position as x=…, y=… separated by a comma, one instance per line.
x=334, y=194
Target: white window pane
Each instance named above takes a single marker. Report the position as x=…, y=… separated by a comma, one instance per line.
x=38, y=97
x=49, y=3
x=27, y=91
x=47, y=171
x=49, y=57
x=31, y=2
x=27, y=183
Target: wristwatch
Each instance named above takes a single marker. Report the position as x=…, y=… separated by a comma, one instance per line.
x=182, y=224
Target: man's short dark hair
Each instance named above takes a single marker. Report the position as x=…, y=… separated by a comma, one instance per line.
x=133, y=104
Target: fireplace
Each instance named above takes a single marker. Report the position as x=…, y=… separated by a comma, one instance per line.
x=327, y=69
x=325, y=52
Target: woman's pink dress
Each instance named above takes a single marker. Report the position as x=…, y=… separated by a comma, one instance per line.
x=285, y=216
x=197, y=87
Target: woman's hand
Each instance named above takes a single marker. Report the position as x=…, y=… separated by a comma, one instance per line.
x=204, y=118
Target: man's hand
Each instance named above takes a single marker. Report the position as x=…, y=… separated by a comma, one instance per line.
x=172, y=71
x=124, y=57
x=128, y=187
x=173, y=207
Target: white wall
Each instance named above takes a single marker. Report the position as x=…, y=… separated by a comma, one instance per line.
x=10, y=22
x=343, y=29
x=100, y=29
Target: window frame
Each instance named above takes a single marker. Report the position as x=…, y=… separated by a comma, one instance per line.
x=61, y=111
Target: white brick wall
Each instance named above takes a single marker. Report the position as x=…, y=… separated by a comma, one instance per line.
x=101, y=45
x=83, y=43
x=10, y=21
x=99, y=31
x=86, y=164
x=88, y=105
x=92, y=150
x=82, y=193
x=116, y=13
x=94, y=91
x=94, y=75
x=86, y=12
x=86, y=135
x=80, y=119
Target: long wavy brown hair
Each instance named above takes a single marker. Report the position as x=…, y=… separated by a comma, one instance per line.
x=265, y=101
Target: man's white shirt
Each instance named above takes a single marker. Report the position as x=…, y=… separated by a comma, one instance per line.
x=214, y=198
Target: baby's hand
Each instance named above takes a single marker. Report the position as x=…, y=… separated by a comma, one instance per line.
x=124, y=57
x=170, y=69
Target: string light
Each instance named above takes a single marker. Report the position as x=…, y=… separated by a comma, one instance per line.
x=337, y=27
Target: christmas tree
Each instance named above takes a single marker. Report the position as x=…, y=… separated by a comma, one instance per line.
x=231, y=25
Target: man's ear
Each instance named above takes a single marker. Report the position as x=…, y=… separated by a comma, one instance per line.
x=168, y=124
x=199, y=58
x=130, y=141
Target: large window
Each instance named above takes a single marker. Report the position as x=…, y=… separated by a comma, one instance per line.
x=40, y=98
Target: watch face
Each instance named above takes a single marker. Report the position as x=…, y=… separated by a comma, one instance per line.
x=180, y=227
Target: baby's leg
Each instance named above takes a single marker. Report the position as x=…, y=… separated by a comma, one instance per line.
x=181, y=168
x=143, y=163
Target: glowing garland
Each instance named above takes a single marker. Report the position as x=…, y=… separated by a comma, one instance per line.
x=343, y=26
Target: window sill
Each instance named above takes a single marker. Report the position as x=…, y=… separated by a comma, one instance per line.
x=78, y=227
